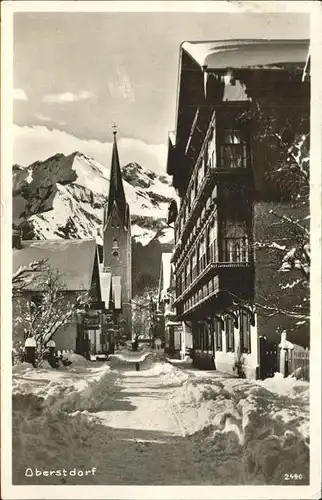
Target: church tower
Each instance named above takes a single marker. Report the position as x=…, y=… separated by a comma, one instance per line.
x=117, y=258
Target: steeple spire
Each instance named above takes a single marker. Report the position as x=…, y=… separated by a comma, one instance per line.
x=116, y=193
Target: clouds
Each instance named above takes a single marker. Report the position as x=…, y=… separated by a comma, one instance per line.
x=48, y=119
x=65, y=97
x=39, y=143
x=19, y=95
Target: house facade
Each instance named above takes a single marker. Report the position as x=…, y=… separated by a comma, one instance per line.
x=233, y=98
x=77, y=268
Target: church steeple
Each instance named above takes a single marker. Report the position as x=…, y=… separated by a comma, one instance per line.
x=116, y=193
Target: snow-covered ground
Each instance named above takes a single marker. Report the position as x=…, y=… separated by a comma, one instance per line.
x=161, y=425
x=245, y=432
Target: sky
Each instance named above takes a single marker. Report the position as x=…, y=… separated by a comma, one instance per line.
x=75, y=74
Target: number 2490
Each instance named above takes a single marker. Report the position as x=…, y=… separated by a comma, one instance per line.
x=290, y=477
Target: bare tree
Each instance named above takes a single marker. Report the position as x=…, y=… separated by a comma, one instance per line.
x=286, y=142
x=142, y=313
x=49, y=308
x=24, y=275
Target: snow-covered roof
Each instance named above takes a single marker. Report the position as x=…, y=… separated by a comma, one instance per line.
x=221, y=54
x=111, y=288
x=73, y=259
x=105, y=280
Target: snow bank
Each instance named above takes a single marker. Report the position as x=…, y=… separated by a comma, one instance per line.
x=245, y=432
x=129, y=360
x=169, y=375
x=286, y=386
x=53, y=421
x=22, y=367
x=78, y=360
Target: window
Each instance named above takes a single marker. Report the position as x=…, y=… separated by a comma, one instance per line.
x=233, y=151
x=205, y=337
x=192, y=194
x=188, y=271
x=194, y=265
x=199, y=176
x=245, y=332
x=202, y=255
x=210, y=339
x=183, y=283
x=212, y=248
x=235, y=245
x=115, y=244
x=229, y=330
x=211, y=150
x=196, y=336
x=116, y=254
x=179, y=286
x=195, y=185
x=218, y=334
x=200, y=331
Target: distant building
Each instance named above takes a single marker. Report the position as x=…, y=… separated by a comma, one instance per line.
x=222, y=175
x=116, y=265
x=76, y=262
x=177, y=334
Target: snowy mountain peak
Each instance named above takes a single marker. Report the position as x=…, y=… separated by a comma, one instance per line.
x=63, y=197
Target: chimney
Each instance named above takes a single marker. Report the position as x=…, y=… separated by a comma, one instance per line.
x=16, y=239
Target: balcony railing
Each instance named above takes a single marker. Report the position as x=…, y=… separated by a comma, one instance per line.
x=235, y=252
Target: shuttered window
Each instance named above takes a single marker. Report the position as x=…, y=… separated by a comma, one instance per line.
x=229, y=330
x=218, y=334
x=245, y=332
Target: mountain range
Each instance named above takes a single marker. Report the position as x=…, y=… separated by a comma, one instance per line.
x=64, y=196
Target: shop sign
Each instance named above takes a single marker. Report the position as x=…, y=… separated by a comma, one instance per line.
x=92, y=322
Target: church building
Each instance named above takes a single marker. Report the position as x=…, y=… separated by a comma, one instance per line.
x=116, y=265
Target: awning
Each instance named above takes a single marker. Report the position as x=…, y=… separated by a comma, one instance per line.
x=173, y=323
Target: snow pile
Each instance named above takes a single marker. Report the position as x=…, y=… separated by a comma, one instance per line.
x=94, y=397
x=66, y=388
x=244, y=432
x=51, y=423
x=286, y=386
x=77, y=360
x=129, y=360
x=169, y=375
x=21, y=367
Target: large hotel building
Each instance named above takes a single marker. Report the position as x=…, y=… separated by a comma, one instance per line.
x=239, y=102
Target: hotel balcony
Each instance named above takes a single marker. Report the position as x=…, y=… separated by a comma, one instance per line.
x=205, y=201
x=231, y=272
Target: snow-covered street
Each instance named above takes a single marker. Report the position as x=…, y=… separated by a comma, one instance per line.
x=161, y=425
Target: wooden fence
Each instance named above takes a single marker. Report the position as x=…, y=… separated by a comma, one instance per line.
x=298, y=363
